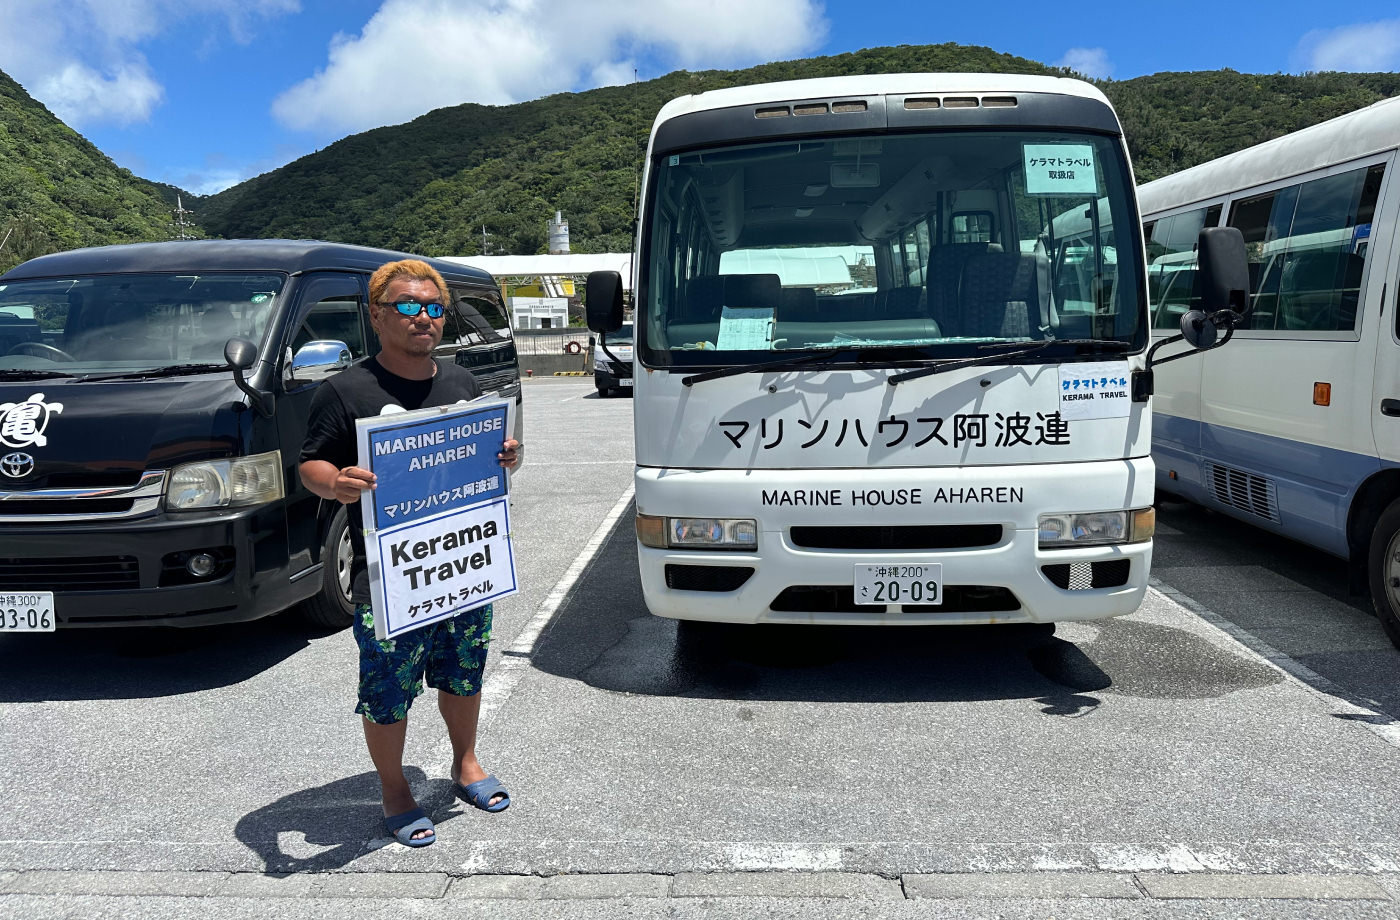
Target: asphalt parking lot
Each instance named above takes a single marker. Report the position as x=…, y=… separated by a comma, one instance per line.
x=1197, y=758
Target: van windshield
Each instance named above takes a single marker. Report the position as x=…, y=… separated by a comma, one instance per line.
x=902, y=246
x=131, y=322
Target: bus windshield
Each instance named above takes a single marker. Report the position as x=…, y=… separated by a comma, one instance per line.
x=904, y=246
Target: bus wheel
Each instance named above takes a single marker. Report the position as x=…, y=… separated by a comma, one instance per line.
x=1383, y=570
x=331, y=607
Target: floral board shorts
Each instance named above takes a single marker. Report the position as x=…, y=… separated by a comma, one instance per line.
x=451, y=654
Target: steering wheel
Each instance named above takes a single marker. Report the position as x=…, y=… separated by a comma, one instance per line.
x=40, y=350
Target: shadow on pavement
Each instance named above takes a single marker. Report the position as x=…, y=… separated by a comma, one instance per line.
x=604, y=636
x=344, y=815
x=144, y=662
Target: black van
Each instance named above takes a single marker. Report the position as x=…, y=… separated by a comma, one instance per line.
x=153, y=402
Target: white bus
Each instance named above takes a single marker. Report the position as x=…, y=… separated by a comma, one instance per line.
x=871, y=385
x=1297, y=427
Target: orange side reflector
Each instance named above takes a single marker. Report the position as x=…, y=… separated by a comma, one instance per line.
x=1322, y=394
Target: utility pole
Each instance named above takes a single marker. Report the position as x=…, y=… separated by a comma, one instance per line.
x=181, y=227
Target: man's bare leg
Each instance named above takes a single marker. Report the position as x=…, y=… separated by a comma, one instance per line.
x=460, y=715
x=385, y=743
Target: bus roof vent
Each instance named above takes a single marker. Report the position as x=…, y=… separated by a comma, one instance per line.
x=923, y=102
x=1244, y=491
x=775, y=111
x=809, y=108
x=847, y=106
x=960, y=102
x=998, y=102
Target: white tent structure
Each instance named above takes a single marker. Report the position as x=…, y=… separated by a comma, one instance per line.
x=573, y=265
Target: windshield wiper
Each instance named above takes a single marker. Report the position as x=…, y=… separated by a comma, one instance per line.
x=169, y=370
x=736, y=369
x=953, y=364
x=30, y=374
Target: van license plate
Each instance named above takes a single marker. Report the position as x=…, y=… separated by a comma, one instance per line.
x=899, y=584
x=27, y=611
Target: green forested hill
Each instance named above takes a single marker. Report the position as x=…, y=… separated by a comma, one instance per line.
x=58, y=191
x=431, y=185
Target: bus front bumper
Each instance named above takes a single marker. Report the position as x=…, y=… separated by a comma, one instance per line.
x=793, y=578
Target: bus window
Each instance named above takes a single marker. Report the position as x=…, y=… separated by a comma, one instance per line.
x=1302, y=250
x=1171, y=260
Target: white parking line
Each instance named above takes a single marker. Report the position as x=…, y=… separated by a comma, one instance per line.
x=515, y=662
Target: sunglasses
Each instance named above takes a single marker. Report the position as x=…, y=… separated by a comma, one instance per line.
x=413, y=308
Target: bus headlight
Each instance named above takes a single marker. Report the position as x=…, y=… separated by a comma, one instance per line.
x=225, y=483
x=697, y=533
x=1097, y=528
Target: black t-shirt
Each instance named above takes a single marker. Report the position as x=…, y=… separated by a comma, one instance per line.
x=364, y=391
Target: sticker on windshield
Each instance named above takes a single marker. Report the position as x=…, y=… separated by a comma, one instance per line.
x=1098, y=390
x=1060, y=169
x=745, y=329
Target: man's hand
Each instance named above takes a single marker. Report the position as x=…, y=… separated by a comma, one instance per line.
x=510, y=454
x=350, y=482
x=342, y=485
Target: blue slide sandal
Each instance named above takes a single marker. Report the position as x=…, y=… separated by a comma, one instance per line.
x=482, y=791
x=404, y=826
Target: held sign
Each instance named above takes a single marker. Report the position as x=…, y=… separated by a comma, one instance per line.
x=437, y=524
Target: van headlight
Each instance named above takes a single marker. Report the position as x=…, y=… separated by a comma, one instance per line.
x=225, y=483
x=697, y=533
x=1097, y=528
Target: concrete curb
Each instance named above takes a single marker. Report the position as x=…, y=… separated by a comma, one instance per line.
x=1147, y=886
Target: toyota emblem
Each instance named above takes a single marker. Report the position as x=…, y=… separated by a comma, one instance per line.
x=16, y=465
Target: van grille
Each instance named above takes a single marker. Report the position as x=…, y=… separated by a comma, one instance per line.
x=84, y=505
x=1244, y=491
x=71, y=573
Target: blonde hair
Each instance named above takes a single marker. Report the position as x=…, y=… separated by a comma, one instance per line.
x=415, y=269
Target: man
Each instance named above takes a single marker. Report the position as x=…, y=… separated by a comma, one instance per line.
x=407, y=300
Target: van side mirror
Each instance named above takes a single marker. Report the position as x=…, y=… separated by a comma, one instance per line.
x=318, y=360
x=240, y=353
x=604, y=293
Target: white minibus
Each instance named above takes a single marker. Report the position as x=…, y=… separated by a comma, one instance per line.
x=1296, y=428
x=871, y=384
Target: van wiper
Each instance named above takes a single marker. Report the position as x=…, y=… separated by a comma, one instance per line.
x=953, y=364
x=30, y=374
x=736, y=369
x=169, y=370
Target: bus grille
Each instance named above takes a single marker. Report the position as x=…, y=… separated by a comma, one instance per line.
x=842, y=599
x=1081, y=576
x=1244, y=491
x=915, y=537
x=707, y=577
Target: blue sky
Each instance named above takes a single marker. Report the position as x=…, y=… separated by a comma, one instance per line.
x=205, y=93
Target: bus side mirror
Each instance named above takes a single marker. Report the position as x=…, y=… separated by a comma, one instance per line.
x=603, y=291
x=1223, y=270
x=1198, y=330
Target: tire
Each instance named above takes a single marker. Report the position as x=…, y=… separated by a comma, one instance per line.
x=330, y=607
x=1383, y=571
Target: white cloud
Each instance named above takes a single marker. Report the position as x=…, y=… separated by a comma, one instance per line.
x=81, y=58
x=1089, y=62
x=1366, y=47
x=417, y=55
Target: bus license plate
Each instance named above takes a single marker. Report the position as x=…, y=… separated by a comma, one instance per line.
x=899, y=584
x=27, y=611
